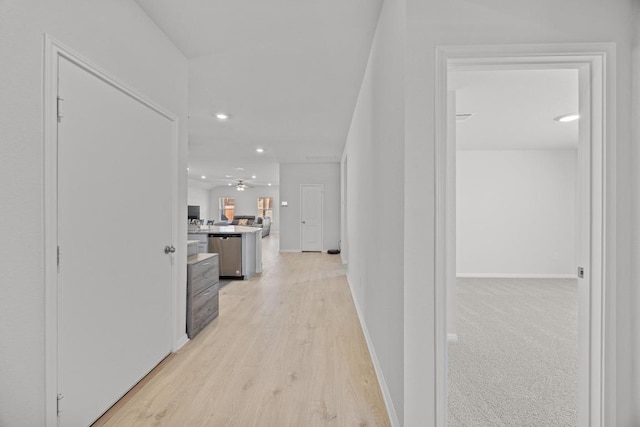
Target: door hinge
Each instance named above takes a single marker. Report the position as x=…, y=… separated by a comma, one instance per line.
x=59, y=404
x=580, y=273
x=59, y=109
x=58, y=256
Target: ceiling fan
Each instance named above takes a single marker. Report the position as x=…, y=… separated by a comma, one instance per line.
x=241, y=185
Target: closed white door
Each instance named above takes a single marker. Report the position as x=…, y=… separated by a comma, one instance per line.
x=114, y=220
x=311, y=217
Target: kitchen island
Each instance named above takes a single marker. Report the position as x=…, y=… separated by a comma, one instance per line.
x=232, y=242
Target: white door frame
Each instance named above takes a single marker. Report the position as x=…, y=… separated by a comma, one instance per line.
x=53, y=50
x=596, y=65
x=344, y=197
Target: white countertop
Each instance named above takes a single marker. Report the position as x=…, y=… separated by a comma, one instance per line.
x=231, y=229
x=194, y=259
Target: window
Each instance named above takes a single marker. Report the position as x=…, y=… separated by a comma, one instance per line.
x=227, y=208
x=265, y=206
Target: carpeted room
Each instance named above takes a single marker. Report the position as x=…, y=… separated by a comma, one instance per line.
x=513, y=347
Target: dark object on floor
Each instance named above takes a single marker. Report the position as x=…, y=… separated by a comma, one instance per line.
x=333, y=251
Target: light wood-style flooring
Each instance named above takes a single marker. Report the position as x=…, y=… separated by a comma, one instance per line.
x=286, y=350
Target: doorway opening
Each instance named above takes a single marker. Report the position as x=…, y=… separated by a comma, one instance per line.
x=513, y=300
x=589, y=61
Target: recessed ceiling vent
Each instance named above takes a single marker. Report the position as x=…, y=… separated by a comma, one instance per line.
x=463, y=116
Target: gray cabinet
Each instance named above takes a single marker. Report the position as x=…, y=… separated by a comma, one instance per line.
x=201, y=238
x=203, y=284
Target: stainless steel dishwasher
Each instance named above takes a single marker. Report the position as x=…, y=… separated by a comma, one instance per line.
x=229, y=248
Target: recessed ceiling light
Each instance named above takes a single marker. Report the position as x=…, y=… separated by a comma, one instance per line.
x=222, y=116
x=567, y=118
x=230, y=184
x=187, y=169
x=253, y=177
x=269, y=184
x=203, y=177
x=260, y=150
x=228, y=176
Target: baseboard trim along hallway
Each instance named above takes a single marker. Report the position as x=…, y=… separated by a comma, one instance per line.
x=393, y=416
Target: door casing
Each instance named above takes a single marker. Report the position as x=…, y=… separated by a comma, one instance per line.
x=596, y=66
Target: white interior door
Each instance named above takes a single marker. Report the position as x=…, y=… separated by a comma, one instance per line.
x=311, y=196
x=114, y=220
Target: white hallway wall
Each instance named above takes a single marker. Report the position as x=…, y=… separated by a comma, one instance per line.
x=635, y=253
x=120, y=38
x=459, y=22
x=199, y=197
x=516, y=213
x=246, y=201
x=292, y=175
x=375, y=213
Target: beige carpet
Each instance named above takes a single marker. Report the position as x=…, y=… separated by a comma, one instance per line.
x=515, y=363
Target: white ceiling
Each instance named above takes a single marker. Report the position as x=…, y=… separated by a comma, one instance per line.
x=514, y=109
x=288, y=71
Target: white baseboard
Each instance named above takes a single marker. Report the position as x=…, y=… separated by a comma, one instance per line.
x=452, y=337
x=515, y=276
x=289, y=250
x=386, y=395
x=180, y=342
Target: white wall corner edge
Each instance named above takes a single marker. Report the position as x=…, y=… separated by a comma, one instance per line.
x=515, y=276
x=386, y=395
x=180, y=342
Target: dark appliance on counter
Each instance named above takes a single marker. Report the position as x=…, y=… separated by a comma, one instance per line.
x=193, y=212
x=229, y=248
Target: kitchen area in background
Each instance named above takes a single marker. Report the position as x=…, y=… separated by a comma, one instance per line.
x=224, y=249
x=239, y=248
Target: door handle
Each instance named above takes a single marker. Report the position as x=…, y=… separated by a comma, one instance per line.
x=169, y=249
